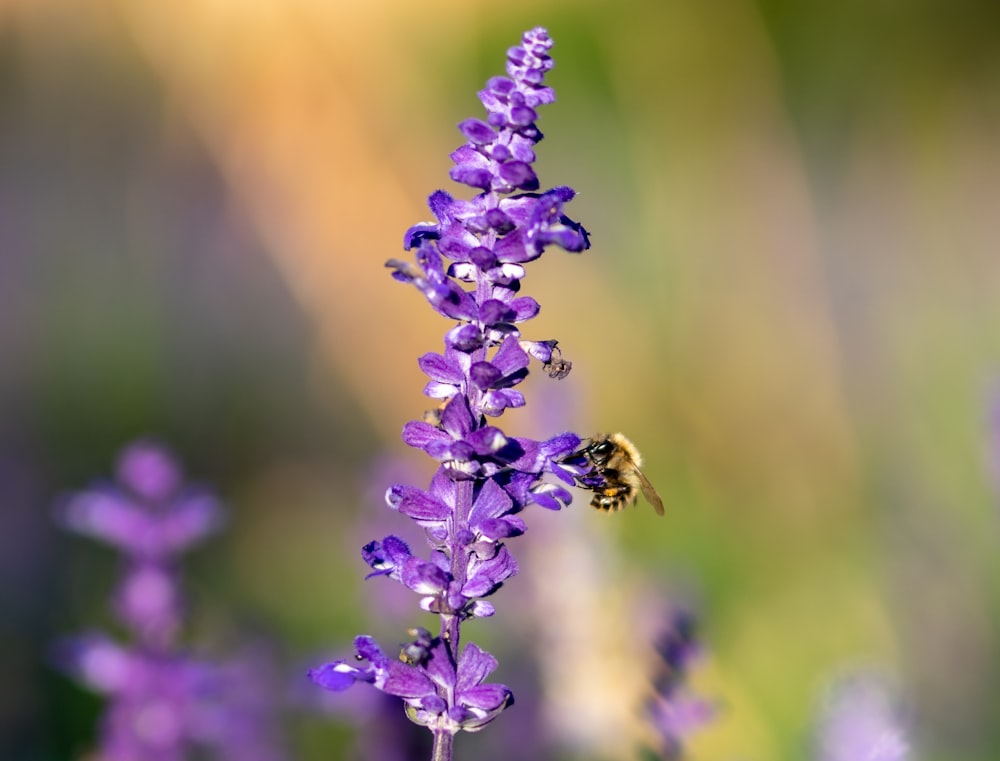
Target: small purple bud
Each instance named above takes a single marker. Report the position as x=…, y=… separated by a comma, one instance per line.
x=477, y=131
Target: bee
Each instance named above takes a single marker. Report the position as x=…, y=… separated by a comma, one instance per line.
x=615, y=462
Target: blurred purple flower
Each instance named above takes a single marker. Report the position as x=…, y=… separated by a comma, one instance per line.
x=673, y=711
x=469, y=265
x=151, y=518
x=861, y=721
x=148, y=514
x=163, y=703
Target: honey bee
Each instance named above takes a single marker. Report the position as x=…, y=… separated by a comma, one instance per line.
x=615, y=462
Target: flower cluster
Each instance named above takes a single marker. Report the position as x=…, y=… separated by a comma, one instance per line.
x=468, y=264
x=163, y=703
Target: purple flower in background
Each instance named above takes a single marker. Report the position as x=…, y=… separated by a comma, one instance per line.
x=673, y=711
x=861, y=721
x=163, y=702
x=151, y=517
x=469, y=263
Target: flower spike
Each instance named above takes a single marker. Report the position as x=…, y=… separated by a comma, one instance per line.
x=468, y=263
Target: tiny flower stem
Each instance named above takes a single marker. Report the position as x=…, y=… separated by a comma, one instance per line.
x=443, y=740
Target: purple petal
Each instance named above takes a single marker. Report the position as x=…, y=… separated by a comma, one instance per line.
x=420, y=232
x=439, y=368
x=499, y=221
x=457, y=452
x=439, y=666
x=407, y=681
x=551, y=496
x=456, y=417
x=443, y=488
x=532, y=459
x=368, y=649
x=98, y=661
x=387, y=556
x=433, y=704
x=421, y=435
x=518, y=174
x=451, y=301
x=484, y=375
x=522, y=116
x=190, y=521
x=149, y=470
x=485, y=697
x=441, y=560
x=540, y=350
x=487, y=575
x=487, y=440
x=524, y=308
x=441, y=203
x=464, y=338
x=500, y=153
x=436, y=390
x=510, y=357
x=337, y=676
x=474, y=665
x=105, y=514
x=430, y=261
x=478, y=131
x=512, y=249
x=481, y=609
x=456, y=242
x=561, y=445
x=493, y=311
x=483, y=258
x=422, y=577
x=417, y=503
x=506, y=274
x=522, y=145
x=476, y=177
x=497, y=529
x=495, y=402
x=492, y=502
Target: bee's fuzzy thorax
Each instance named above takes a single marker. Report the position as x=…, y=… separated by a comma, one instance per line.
x=622, y=442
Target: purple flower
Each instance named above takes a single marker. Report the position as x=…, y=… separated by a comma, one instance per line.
x=151, y=517
x=468, y=264
x=437, y=693
x=148, y=514
x=163, y=703
x=673, y=711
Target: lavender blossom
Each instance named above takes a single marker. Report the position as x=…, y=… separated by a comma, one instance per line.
x=469, y=263
x=673, y=711
x=151, y=517
x=163, y=702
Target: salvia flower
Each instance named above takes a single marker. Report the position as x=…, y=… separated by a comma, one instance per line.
x=151, y=517
x=163, y=703
x=468, y=264
x=673, y=710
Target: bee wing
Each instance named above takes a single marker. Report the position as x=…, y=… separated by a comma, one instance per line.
x=650, y=493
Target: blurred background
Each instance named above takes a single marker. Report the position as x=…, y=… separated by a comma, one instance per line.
x=792, y=306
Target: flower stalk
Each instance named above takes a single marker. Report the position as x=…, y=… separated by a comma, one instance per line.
x=468, y=264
